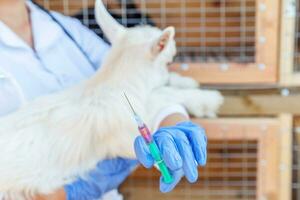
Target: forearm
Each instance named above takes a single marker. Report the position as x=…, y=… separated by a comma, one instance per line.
x=58, y=195
x=173, y=119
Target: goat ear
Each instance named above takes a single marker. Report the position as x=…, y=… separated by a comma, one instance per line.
x=111, y=28
x=160, y=44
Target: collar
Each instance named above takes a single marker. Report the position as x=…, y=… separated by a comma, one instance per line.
x=45, y=31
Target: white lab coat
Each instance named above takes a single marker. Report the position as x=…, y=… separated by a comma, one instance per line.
x=55, y=64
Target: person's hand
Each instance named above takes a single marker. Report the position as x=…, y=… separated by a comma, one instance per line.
x=183, y=148
x=108, y=175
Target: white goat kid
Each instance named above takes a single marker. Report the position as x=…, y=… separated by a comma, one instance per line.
x=50, y=141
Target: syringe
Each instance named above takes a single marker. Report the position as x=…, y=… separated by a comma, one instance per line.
x=153, y=148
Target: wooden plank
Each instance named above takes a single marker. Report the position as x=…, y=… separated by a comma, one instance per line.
x=214, y=73
x=267, y=37
x=235, y=129
x=286, y=137
x=288, y=22
x=268, y=162
x=296, y=157
x=290, y=79
x=258, y=104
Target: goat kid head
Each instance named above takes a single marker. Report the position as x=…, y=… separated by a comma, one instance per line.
x=146, y=43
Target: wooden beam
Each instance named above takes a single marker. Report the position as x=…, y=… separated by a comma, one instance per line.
x=288, y=22
x=260, y=105
x=236, y=128
x=286, y=136
x=212, y=73
x=268, y=162
x=267, y=36
x=296, y=154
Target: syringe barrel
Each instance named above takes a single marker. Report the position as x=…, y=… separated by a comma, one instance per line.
x=145, y=132
x=153, y=148
x=167, y=177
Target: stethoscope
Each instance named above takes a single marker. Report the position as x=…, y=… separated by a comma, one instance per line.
x=67, y=33
x=6, y=75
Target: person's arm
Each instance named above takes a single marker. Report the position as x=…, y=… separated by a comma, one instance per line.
x=173, y=119
x=58, y=195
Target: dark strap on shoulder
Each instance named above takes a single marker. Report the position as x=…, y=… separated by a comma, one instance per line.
x=67, y=33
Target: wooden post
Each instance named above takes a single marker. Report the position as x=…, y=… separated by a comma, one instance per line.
x=268, y=161
x=286, y=135
x=296, y=156
x=288, y=22
x=267, y=37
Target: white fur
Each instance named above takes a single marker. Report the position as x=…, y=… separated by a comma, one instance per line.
x=50, y=141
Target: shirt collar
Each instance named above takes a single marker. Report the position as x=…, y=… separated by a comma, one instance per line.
x=45, y=31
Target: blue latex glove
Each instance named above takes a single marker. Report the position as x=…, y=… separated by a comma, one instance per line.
x=183, y=148
x=108, y=175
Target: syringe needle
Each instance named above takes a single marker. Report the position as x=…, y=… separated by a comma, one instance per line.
x=130, y=104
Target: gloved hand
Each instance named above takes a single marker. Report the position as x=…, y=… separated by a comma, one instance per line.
x=183, y=148
x=108, y=175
